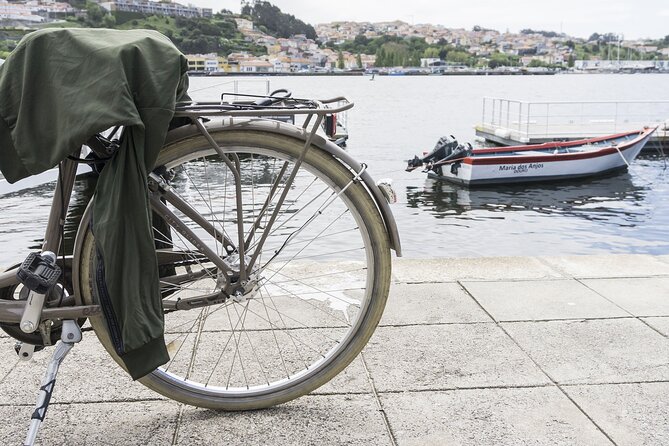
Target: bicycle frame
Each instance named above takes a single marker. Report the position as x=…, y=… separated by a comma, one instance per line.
x=315, y=111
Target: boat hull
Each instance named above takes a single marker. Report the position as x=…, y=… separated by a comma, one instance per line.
x=529, y=167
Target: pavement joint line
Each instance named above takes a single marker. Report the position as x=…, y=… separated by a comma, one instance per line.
x=617, y=383
x=434, y=324
x=570, y=319
x=473, y=279
x=69, y=403
x=639, y=318
x=564, y=277
x=379, y=404
x=175, y=436
x=357, y=393
x=11, y=369
x=467, y=388
x=511, y=321
x=509, y=387
x=555, y=383
x=643, y=276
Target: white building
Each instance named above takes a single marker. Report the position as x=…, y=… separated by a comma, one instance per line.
x=21, y=11
x=157, y=8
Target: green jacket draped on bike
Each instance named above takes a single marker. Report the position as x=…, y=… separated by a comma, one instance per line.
x=59, y=87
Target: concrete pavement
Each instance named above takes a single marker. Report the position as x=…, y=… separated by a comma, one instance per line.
x=488, y=351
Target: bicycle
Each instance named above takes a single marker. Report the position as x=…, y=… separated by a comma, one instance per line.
x=274, y=249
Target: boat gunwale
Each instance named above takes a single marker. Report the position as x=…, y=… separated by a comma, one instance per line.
x=554, y=157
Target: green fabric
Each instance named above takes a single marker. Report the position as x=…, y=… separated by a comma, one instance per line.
x=59, y=87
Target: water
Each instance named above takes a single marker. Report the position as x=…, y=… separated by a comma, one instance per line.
x=397, y=117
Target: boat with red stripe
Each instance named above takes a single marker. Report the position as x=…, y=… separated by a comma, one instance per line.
x=549, y=161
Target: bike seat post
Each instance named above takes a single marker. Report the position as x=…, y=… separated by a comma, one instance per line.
x=70, y=335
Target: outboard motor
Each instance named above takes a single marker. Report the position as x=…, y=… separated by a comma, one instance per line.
x=444, y=148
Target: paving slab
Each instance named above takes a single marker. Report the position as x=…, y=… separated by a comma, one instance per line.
x=595, y=351
x=441, y=357
x=495, y=417
x=640, y=296
x=431, y=303
x=139, y=423
x=659, y=323
x=88, y=373
x=311, y=420
x=600, y=266
x=541, y=300
x=631, y=414
x=482, y=268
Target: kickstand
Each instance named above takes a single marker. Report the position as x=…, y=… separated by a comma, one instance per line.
x=71, y=334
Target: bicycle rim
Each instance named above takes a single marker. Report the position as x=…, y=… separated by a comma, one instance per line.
x=323, y=275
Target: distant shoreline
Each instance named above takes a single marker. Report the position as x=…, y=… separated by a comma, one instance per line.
x=453, y=73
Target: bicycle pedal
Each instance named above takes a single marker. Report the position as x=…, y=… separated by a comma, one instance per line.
x=39, y=273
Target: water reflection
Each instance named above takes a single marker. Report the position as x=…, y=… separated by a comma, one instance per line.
x=609, y=200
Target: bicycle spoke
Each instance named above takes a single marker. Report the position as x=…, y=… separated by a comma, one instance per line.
x=302, y=307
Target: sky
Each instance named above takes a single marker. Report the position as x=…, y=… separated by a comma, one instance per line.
x=578, y=18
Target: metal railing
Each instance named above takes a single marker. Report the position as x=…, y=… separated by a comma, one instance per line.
x=524, y=121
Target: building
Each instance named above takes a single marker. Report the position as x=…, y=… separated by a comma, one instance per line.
x=255, y=66
x=207, y=63
x=32, y=11
x=18, y=11
x=157, y=8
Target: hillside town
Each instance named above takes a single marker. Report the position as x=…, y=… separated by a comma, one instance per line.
x=479, y=49
x=299, y=53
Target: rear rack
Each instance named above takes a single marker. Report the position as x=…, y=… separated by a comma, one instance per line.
x=281, y=107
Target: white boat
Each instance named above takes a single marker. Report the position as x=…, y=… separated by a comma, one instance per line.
x=523, y=164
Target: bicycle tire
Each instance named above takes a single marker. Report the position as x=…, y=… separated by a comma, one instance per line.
x=371, y=231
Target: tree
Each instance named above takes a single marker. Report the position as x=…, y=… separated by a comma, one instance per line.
x=535, y=63
x=109, y=21
x=570, y=61
x=431, y=53
x=460, y=57
x=360, y=40
x=340, y=60
x=501, y=60
x=95, y=13
x=358, y=60
x=276, y=22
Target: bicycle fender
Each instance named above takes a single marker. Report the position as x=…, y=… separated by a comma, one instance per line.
x=215, y=125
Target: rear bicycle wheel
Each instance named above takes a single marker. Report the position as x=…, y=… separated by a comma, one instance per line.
x=322, y=274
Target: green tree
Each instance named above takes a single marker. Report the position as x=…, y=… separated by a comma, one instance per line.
x=358, y=60
x=340, y=60
x=460, y=57
x=109, y=21
x=276, y=22
x=431, y=53
x=535, y=63
x=381, y=58
x=95, y=13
